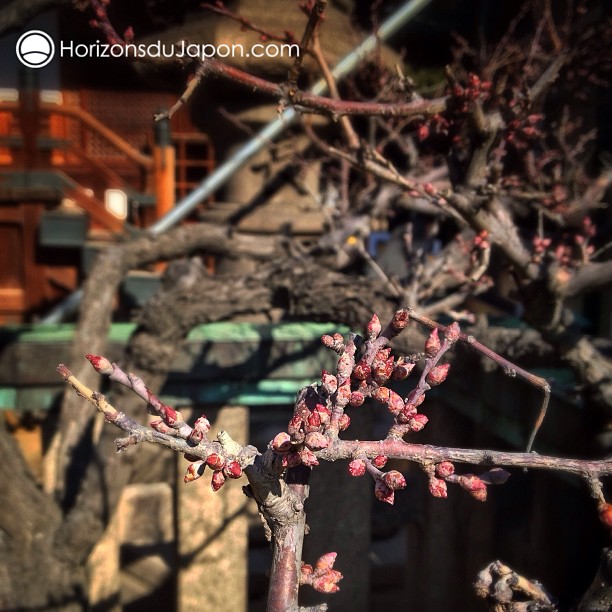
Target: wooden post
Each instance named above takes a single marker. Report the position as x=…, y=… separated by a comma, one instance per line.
x=163, y=169
x=213, y=533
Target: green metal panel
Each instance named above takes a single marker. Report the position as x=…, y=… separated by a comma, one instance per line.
x=63, y=229
x=246, y=363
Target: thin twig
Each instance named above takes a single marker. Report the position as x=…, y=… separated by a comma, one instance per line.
x=345, y=123
x=507, y=366
x=314, y=19
x=191, y=87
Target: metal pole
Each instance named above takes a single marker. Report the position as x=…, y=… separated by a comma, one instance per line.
x=263, y=139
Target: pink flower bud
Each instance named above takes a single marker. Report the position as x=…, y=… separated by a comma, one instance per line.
x=200, y=428
x=402, y=370
x=313, y=422
x=382, y=370
x=479, y=494
x=329, y=382
x=384, y=493
x=232, y=469
x=380, y=461
x=605, y=514
x=357, y=467
x=473, y=79
x=307, y=457
x=374, y=327
x=305, y=571
x=452, y=332
x=327, y=582
x=324, y=414
x=295, y=424
x=394, y=480
x=327, y=341
x=474, y=485
x=407, y=413
x=444, y=469
x=395, y=403
x=357, y=398
x=362, y=371
x=385, y=395
x=281, y=442
x=343, y=422
x=101, y=364
x=383, y=354
x=215, y=462
x=325, y=562
x=400, y=319
x=316, y=441
x=403, y=419
x=417, y=422
x=218, y=480
x=194, y=471
x=437, y=487
x=381, y=394
x=432, y=344
x=344, y=394
x=471, y=482
x=438, y=374
x=168, y=413
x=161, y=427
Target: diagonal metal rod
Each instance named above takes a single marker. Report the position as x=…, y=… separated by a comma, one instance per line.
x=263, y=139
x=260, y=141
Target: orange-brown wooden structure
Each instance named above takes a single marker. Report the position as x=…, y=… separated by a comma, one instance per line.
x=60, y=152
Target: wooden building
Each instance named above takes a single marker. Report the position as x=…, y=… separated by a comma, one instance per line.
x=77, y=169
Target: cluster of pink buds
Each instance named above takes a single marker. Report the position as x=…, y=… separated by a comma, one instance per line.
x=481, y=241
x=223, y=468
x=322, y=577
x=434, y=373
x=306, y=431
x=521, y=130
x=385, y=483
x=437, y=125
x=570, y=255
x=540, y=246
x=371, y=375
x=476, y=486
x=221, y=456
x=474, y=89
x=316, y=422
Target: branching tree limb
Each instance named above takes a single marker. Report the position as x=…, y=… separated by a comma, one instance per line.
x=278, y=477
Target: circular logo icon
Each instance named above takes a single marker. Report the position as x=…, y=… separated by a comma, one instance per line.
x=35, y=49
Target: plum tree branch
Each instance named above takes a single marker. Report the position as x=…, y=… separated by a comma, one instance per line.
x=278, y=476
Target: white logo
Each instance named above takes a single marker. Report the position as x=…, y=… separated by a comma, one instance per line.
x=35, y=49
